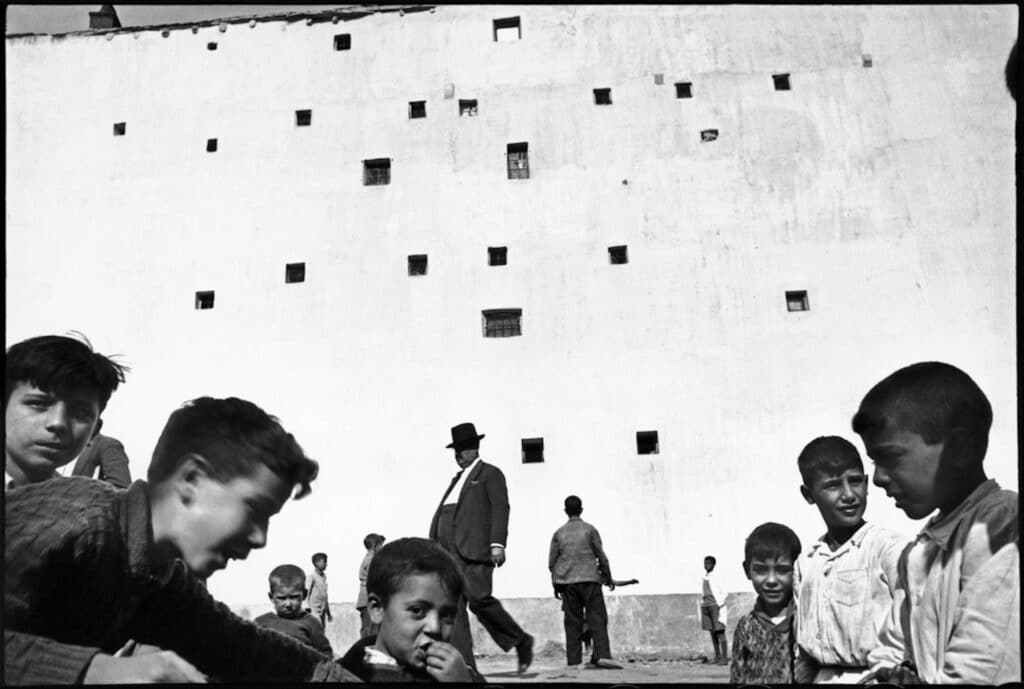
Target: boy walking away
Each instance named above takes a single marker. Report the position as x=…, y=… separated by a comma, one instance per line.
x=956, y=615
x=713, y=612
x=87, y=567
x=845, y=581
x=413, y=591
x=316, y=590
x=373, y=542
x=287, y=591
x=578, y=567
x=55, y=389
x=763, y=643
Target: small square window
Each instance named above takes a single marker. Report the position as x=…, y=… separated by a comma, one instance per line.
x=866, y=60
x=377, y=172
x=518, y=161
x=343, y=41
x=684, y=89
x=303, y=118
x=211, y=145
x=418, y=264
x=204, y=300
x=708, y=135
x=467, y=108
x=797, y=301
x=497, y=255
x=119, y=128
x=507, y=29
x=417, y=109
x=617, y=255
x=659, y=79
x=503, y=322
x=647, y=442
x=295, y=272
x=781, y=82
x=212, y=45
x=533, y=450
x=602, y=96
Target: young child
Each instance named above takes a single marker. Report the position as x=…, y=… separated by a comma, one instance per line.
x=845, y=582
x=762, y=645
x=373, y=542
x=87, y=567
x=956, y=615
x=316, y=590
x=55, y=389
x=413, y=589
x=287, y=591
x=713, y=613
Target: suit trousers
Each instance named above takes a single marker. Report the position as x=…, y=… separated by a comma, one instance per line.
x=584, y=601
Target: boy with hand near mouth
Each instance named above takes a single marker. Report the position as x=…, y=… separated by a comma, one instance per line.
x=845, y=582
x=287, y=591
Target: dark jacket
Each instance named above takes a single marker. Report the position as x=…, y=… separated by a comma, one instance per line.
x=481, y=513
x=108, y=454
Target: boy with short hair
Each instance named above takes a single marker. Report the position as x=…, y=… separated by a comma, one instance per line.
x=713, y=613
x=55, y=389
x=845, y=582
x=372, y=542
x=87, y=567
x=413, y=590
x=762, y=645
x=287, y=591
x=316, y=590
x=956, y=615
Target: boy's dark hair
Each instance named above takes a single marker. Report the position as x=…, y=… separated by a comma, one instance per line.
x=404, y=557
x=318, y=556
x=828, y=455
x=714, y=561
x=286, y=575
x=233, y=436
x=771, y=540
x=930, y=399
x=372, y=539
x=573, y=506
x=57, y=364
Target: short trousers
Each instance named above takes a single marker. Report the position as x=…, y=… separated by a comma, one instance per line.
x=709, y=619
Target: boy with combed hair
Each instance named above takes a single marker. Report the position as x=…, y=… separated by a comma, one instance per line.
x=413, y=590
x=845, y=581
x=372, y=542
x=55, y=389
x=287, y=591
x=956, y=615
x=712, y=610
x=762, y=645
x=87, y=567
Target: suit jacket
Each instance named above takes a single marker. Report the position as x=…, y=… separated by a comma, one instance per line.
x=108, y=454
x=481, y=513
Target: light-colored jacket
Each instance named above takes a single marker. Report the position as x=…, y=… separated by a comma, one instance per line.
x=718, y=591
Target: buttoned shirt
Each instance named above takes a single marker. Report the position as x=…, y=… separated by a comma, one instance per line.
x=956, y=614
x=576, y=555
x=843, y=596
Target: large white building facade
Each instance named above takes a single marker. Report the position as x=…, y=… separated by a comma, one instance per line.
x=854, y=164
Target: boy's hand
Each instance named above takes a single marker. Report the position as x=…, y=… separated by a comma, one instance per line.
x=445, y=663
x=165, y=666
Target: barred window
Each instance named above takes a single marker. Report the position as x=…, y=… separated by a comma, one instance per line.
x=417, y=109
x=684, y=89
x=119, y=128
x=467, y=108
x=533, y=450
x=647, y=442
x=377, y=172
x=497, y=255
x=295, y=272
x=417, y=264
x=781, y=82
x=303, y=118
x=797, y=301
x=617, y=255
x=602, y=96
x=507, y=29
x=204, y=299
x=343, y=41
x=518, y=161
x=503, y=322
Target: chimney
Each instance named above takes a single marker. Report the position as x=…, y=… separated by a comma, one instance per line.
x=106, y=18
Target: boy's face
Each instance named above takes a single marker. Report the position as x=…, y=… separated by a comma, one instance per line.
x=287, y=599
x=320, y=564
x=45, y=431
x=224, y=521
x=908, y=469
x=772, y=578
x=709, y=564
x=417, y=614
x=841, y=498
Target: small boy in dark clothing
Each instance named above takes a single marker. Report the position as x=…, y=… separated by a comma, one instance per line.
x=762, y=645
x=287, y=591
x=372, y=542
x=413, y=591
x=88, y=567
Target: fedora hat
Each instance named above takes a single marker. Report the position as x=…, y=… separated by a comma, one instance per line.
x=463, y=436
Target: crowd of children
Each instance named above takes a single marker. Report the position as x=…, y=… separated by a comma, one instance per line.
x=92, y=571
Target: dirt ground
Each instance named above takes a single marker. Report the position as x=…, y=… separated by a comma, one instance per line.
x=547, y=668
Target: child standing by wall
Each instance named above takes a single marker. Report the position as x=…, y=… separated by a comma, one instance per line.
x=287, y=591
x=373, y=542
x=713, y=613
x=316, y=590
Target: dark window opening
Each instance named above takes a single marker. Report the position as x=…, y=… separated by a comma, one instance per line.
x=119, y=128
x=377, y=172
x=467, y=108
x=418, y=264
x=659, y=79
x=295, y=272
x=204, y=300
x=211, y=145
x=617, y=255
x=647, y=442
x=507, y=29
x=303, y=118
x=708, y=135
x=417, y=109
x=212, y=45
x=497, y=255
x=602, y=96
x=866, y=60
x=343, y=41
x=503, y=322
x=684, y=89
x=533, y=450
x=781, y=82
x=518, y=161
x=797, y=301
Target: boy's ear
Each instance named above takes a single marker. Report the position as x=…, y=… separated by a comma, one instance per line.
x=806, y=492
x=191, y=472
x=96, y=431
x=270, y=595
x=375, y=606
x=746, y=569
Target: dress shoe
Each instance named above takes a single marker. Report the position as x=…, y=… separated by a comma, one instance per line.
x=524, y=650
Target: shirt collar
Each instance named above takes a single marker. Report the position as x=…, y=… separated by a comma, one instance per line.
x=940, y=529
x=374, y=656
x=468, y=470
x=821, y=545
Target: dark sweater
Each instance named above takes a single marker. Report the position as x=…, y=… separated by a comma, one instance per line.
x=305, y=628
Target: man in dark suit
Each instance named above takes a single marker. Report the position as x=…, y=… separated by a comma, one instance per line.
x=472, y=523
x=108, y=454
